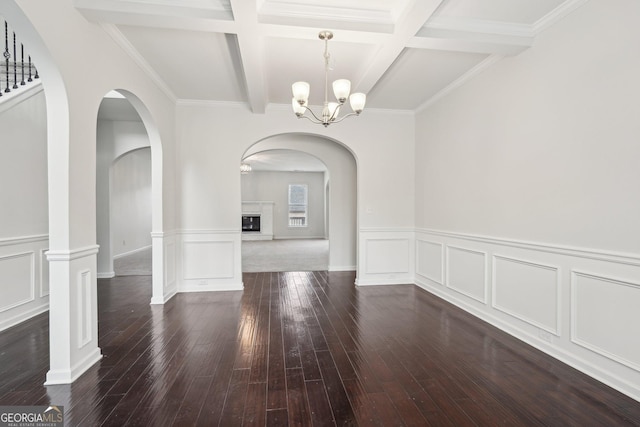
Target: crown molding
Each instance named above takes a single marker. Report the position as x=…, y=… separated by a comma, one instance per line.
x=556, y=15
x=509, y=29
x=133, y=53
x=210, y=103
x=312, y=12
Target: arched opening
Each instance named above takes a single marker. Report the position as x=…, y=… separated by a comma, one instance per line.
x=337, y=192
x=128, y=190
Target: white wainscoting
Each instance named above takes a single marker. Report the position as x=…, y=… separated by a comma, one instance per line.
x=615, y=332
x=467, y=272
x=579, y=305
x=386, y=256
x=24, y=279
x=209, y=260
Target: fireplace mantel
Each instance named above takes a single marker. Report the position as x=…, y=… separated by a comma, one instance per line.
x=264, y=209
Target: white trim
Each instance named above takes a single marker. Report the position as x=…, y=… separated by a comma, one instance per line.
x=16, y=96
x=164, y=298
x=67, y=376
x=42, y=261
x=106, y=275
x=485, y=281
x=587, y=253
x=574, y=311
x=301, y=11
x=564, y=9
x=133, y=53
x=32, y=279
x=134, y=251
x=23, y=239
x=72, y=254
x=23, y=316
x=481, y=26
x=558, y=285
x=442, y=260
x=342, y=268
x=606, y=377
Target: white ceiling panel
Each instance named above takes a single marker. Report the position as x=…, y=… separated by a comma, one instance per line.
x=402, y=53
x=195, y=65
x=419, y=74
x=510, y=11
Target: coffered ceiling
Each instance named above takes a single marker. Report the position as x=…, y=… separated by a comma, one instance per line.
x=404, y=54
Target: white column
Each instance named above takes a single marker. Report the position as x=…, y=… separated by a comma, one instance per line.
x=157, y=269
x=73, y=313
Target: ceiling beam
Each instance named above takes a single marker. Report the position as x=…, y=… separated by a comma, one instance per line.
x=409, y=22
x=177, y=17
x=250, y=47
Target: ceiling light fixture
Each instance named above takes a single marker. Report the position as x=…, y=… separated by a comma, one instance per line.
x=245, y=168
x=341, y=89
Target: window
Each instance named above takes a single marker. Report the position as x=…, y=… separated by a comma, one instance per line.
x=297, y=205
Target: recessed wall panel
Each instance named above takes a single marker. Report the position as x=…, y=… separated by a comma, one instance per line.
x=429, y=260
x=44, y=274
x=208, y=260
x=527, y=291
x=466, y=272
x=605, y=317
x=16, y=280
x=387, y=256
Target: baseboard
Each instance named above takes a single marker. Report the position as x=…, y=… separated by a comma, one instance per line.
x=382, y=282
x=581, y=365
x=106, y=275
x=25, y=315
x=213, y=288
x=135, y=251
x=342, y=268
x=67, y=376
x=165, y=298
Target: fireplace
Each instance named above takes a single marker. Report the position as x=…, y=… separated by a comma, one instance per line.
x=251, y=223
x=257, y=220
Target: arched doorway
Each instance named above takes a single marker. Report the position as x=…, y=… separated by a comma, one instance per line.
x=124, y=127
x=339, y=191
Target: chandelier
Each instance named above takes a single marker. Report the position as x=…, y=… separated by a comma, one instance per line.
x=341, y=89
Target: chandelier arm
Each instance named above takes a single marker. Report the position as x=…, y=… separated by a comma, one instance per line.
x=317, y=120
x=344, y=117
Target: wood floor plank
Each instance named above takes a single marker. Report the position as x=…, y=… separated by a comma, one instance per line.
x=307, y=349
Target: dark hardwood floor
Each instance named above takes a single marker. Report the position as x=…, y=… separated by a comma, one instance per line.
x=303, y=349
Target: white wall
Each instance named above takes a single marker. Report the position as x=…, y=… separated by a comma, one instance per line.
x=67, y=49
x=274, y=186
x=24, y=281
x=527, y=199
x=131, y=202
x=114, y=139
x=212, y=142
x=341, y=177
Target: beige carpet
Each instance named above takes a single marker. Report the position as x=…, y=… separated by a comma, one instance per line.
x=285, y=255
x=136, y=264
x=257, y=256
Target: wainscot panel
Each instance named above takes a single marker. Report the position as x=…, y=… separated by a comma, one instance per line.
x=527, y=291
x=209, y=260
x=467, y=272
x=606, y=316
x=386, y=256
x=579, y=305
x=24, y=279
x=430, y=260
